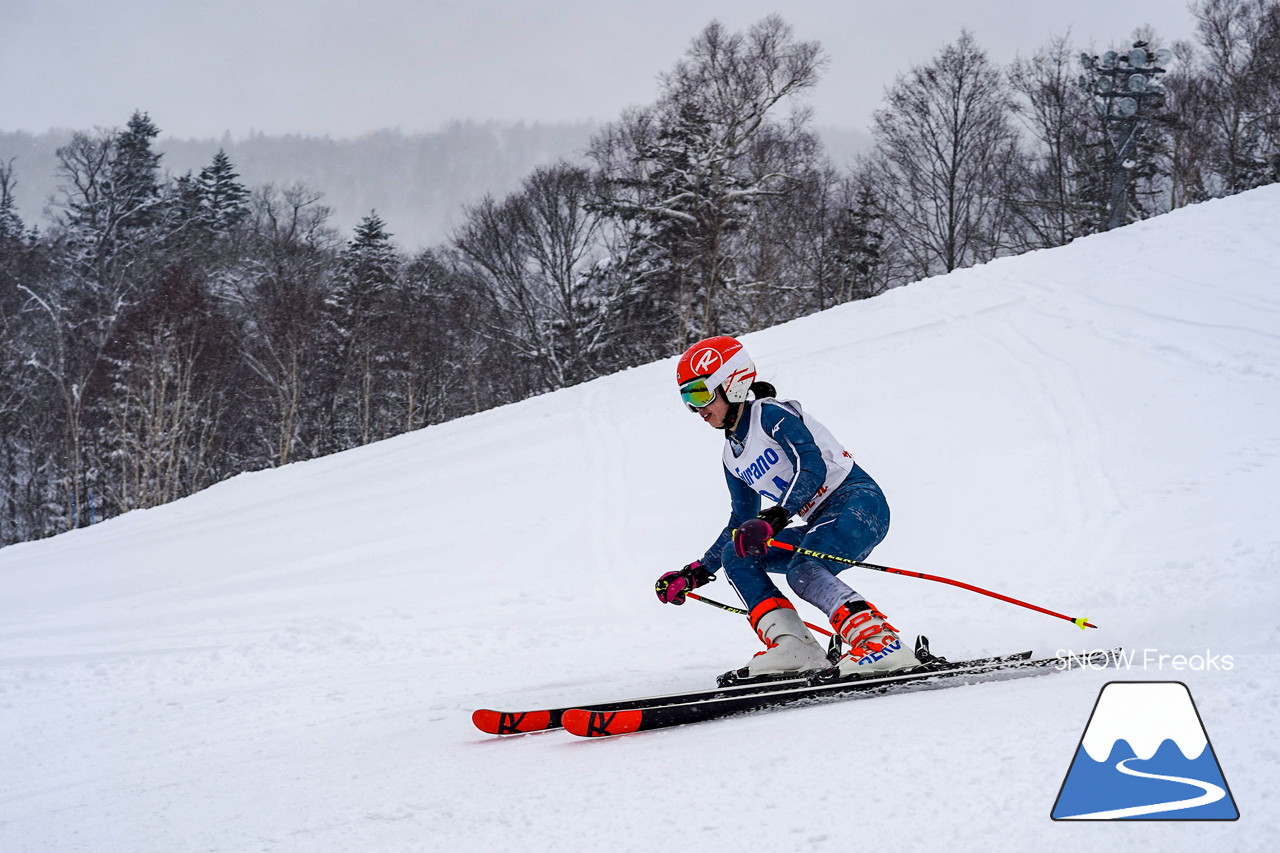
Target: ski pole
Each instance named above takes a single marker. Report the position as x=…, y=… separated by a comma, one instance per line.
x=1080, y=621
x=740, y=611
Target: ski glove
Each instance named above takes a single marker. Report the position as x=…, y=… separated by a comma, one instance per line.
x=751, y=539
x=673, y=586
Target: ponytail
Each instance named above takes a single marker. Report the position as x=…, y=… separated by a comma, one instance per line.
x=760, y=390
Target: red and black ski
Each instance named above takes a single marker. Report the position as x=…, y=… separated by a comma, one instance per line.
x=523, y=722
x=597, y=722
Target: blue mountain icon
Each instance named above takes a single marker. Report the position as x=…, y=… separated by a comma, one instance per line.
x=1145, y=755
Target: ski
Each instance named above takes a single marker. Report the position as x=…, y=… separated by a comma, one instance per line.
x=523, y=722
x=604, y=722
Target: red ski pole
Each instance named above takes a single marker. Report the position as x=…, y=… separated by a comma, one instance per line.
x=1080, y=622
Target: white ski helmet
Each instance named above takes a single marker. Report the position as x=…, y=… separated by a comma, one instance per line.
x=719, y=362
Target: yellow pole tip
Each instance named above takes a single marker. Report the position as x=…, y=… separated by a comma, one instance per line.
x=1082, y=622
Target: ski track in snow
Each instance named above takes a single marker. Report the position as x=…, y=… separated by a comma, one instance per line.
x=1053, y=387
x=288, y=661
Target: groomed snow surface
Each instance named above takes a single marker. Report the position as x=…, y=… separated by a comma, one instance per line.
x=288, y=661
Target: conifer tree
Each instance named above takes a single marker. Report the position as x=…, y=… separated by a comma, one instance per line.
x=10, y=223
x=135, y=171
x=223, y=199
x=111, y=194
x=855, y=248
x=359, y=323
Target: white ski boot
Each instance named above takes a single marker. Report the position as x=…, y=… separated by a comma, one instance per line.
x=789, y=647
x=874, y=644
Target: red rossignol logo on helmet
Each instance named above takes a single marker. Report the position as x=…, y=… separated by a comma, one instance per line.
x=705, y=361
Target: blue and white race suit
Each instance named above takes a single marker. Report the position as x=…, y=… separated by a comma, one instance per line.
x=780, y=454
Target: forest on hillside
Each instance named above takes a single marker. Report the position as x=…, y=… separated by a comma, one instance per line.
x=162, y=331
x=420, y=182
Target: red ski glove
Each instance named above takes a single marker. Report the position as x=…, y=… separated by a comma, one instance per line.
x=674, y=586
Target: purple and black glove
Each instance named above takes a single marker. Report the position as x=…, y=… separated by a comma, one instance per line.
x=751, y=539
x=674, y=586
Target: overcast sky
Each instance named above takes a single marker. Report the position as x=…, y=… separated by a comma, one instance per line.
x=202, y=68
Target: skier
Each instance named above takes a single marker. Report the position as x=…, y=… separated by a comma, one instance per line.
x=773, y=450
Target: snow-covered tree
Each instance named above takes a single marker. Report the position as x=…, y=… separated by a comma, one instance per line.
x=278, y=297
x=167, y=371
x=359, y=351
x=10, y=222
x=1240, y=76
x=685, y=174
x=108, y=239
x=110, y=193
x=224, y=201
x=533, y=256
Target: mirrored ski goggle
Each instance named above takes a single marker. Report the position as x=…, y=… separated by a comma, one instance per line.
x=696, y=394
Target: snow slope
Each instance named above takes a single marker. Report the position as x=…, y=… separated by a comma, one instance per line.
x=288, y=661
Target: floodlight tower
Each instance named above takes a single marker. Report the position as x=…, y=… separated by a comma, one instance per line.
x=1127, y=93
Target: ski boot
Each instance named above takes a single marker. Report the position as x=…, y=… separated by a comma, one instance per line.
x=874, y=645
x=790, y=650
